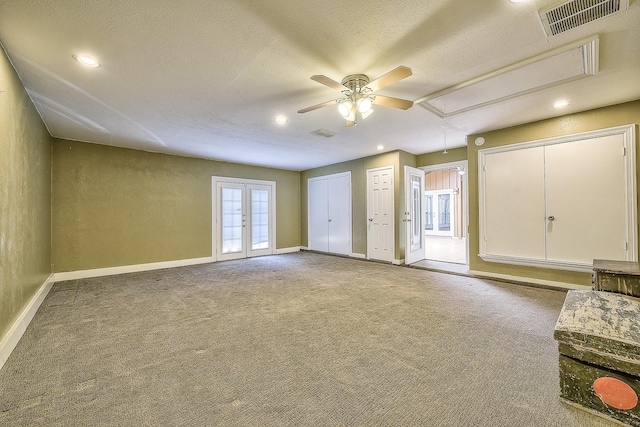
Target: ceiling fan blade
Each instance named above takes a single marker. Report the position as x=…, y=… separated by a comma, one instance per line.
x=328, y=82
x=315, y=107
x=388, y=101
x=390, y=78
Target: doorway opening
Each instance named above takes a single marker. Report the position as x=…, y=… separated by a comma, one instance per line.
x=446, y=218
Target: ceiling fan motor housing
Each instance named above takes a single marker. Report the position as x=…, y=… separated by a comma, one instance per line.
x=355, y=82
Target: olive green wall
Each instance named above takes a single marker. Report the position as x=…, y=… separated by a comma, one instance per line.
x=358, y=169
x=617, y=115
x=25, y=198
x=438, y=158
x=116, y=207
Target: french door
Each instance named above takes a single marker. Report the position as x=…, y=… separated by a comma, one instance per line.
x=439, y=213
x=244, y=218
x=414, y=215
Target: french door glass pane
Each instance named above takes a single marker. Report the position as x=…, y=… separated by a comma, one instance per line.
x=259, y=219
x=428, y=208
x=415, y=225
x=231, y=220
x=444, y=212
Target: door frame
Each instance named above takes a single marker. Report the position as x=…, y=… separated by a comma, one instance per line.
x=465, y=190
x=215, y=180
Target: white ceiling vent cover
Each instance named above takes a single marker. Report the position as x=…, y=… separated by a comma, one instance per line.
x=574, y=13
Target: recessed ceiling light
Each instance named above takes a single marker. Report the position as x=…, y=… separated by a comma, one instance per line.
x=87, y=60
x=380, y=147
x=280, y=120
x=561, y=103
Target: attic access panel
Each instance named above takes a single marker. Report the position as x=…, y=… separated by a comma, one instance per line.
x=541, y=72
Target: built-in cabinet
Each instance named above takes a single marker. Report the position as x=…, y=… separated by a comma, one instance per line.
x=330, y=213
x=560, y=202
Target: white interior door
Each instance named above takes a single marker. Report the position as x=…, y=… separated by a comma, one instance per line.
x=244, y=218
x=414, y=215
x=380, y=218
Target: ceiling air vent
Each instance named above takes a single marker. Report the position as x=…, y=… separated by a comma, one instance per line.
x=574, y=13
x=324, y=132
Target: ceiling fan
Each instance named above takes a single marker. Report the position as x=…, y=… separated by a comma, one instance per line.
x=360, y=94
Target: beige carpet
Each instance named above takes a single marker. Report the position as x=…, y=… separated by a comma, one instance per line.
x=290, y=340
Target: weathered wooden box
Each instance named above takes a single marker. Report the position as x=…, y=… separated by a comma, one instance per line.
x=598, y=336
x=616, y=276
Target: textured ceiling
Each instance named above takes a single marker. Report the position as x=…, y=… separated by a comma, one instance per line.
x=206, y=78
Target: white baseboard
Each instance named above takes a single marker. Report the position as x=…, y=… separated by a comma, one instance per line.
x=11, y=339
x=521, y=279
x=397, y=262
x=109, y=271
x=359, y=256
x=289, y=250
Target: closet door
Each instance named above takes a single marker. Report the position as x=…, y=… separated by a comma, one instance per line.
x=339, y=192
x=318, y=230
x=329, y=217
x=586, y=200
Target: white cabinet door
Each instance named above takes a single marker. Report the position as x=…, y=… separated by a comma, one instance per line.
x=585, y=200
x=514, y=203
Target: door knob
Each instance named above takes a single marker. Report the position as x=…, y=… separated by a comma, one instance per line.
x=551, y=217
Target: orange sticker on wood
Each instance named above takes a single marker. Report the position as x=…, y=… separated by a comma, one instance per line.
x=615, y=393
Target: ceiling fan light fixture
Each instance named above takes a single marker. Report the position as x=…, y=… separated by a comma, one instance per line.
x=345, y=108
x=364, y=105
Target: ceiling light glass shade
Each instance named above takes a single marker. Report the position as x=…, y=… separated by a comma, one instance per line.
x=351, y=116
x=367, y=113
x=364, y=105
x=345, y=108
